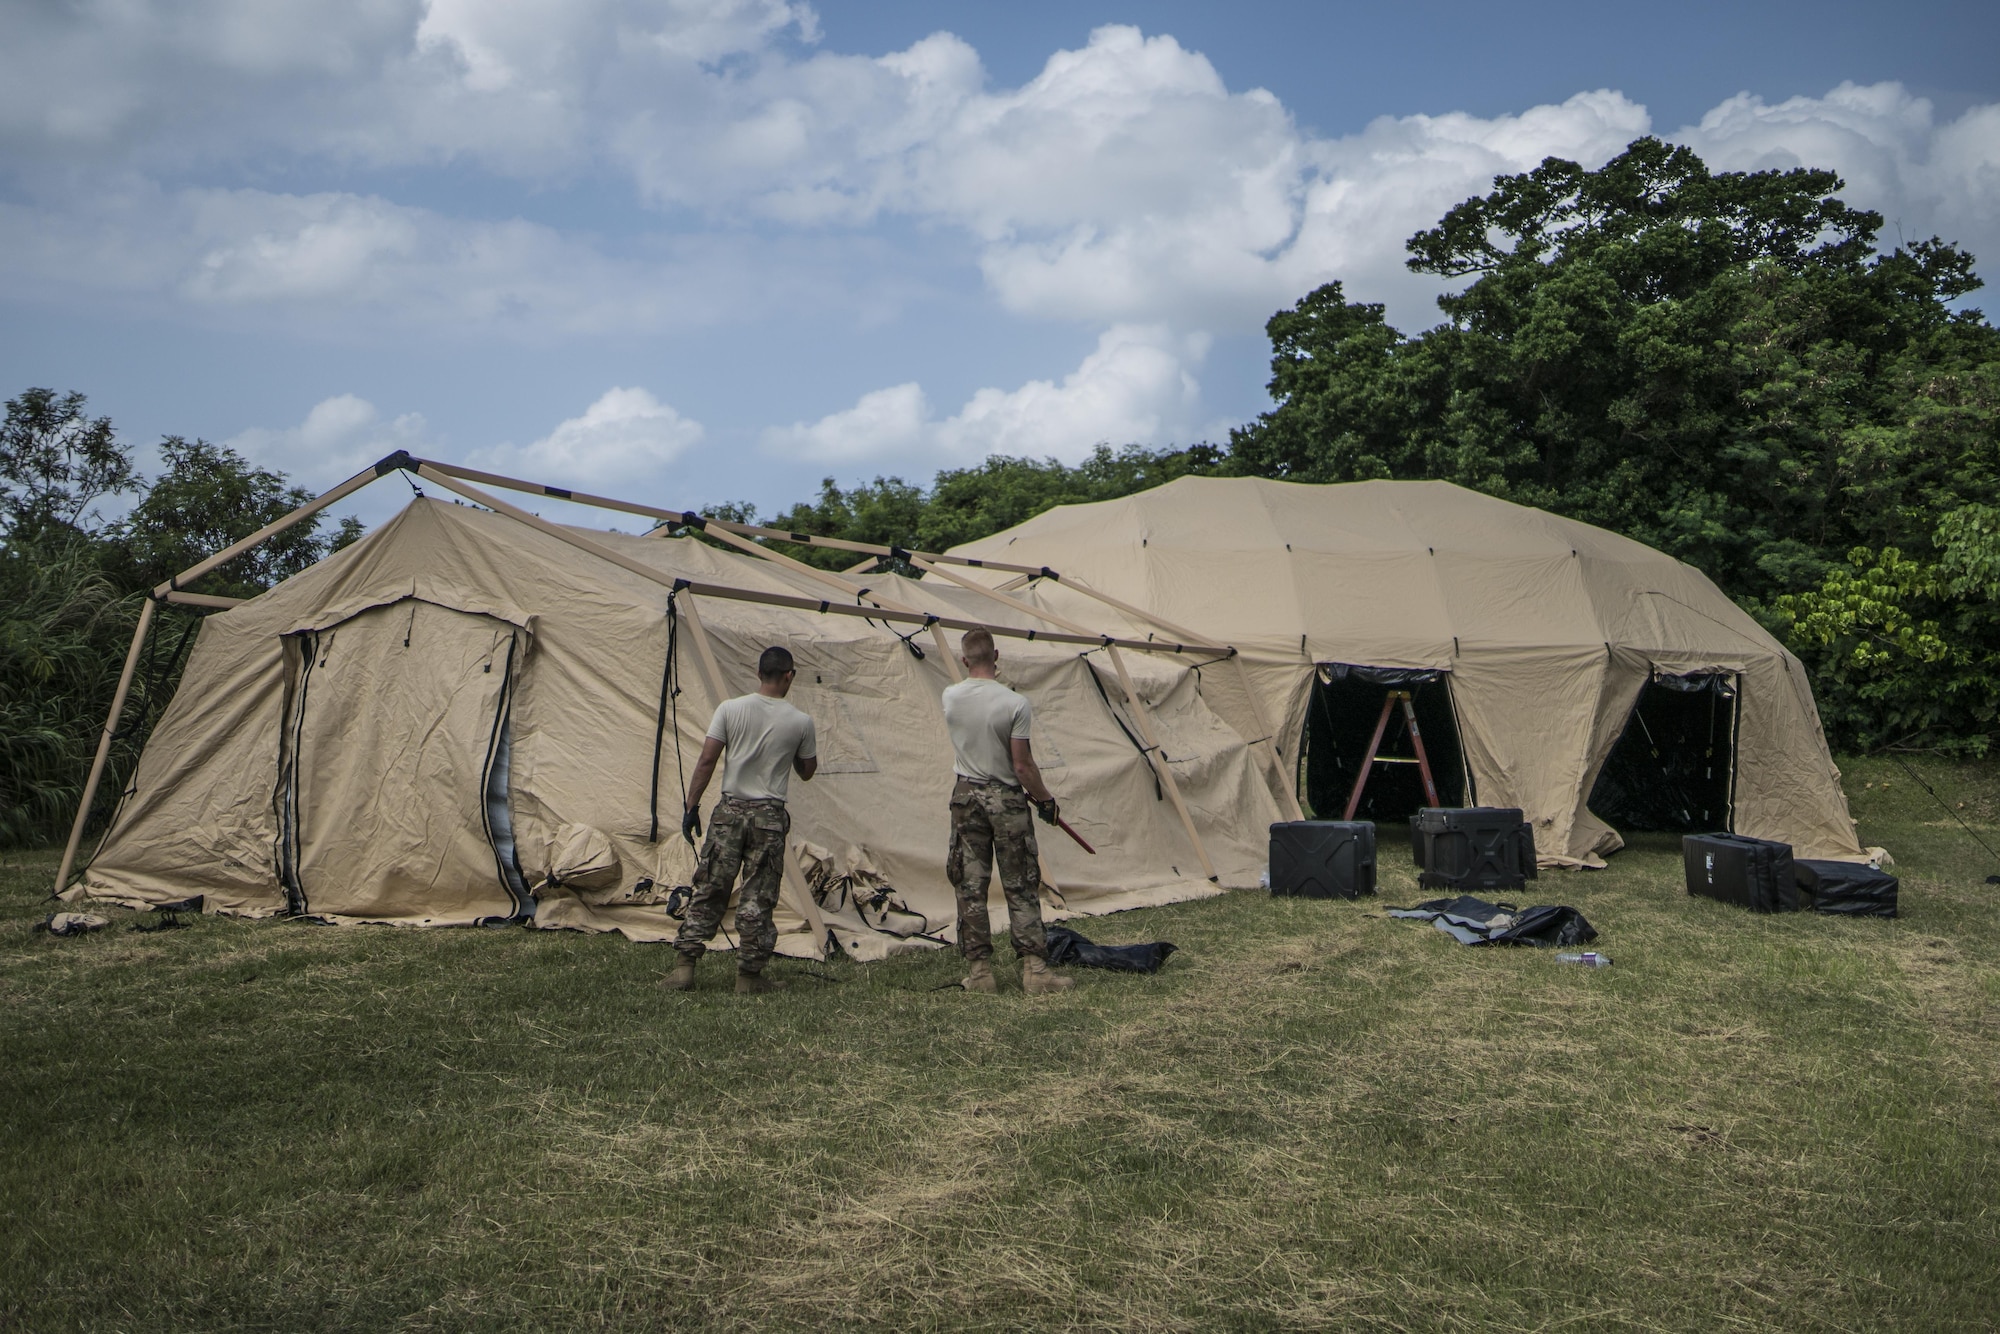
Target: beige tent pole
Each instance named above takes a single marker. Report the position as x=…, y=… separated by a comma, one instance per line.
x=795, y=601
x=925, y=564
x=711, y=674
x=104, y=742
x=872, y=549
x=1140, y=713
x=270, y=530
x=208, y=600
x=952, y=668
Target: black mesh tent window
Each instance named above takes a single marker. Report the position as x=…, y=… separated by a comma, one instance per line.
x=1673, y=768
x=1341, y=715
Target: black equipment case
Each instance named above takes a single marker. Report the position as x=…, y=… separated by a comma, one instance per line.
x=1846, y=888
x=1752, y=873
x=1323, y=859
x=1473, y=849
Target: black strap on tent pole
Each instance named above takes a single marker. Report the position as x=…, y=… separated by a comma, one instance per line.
x=670, y=698
x=1158, y=793
x=916, y=650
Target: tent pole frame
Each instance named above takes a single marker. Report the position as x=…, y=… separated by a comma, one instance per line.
x=171, y=591
x=103, y=756
x=795, y=601
x=704, y=653
x=741, y=543
x=457, y=479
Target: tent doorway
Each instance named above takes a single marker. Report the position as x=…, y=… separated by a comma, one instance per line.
x=394, y=761
x=1673, y=768
x=1341, y=717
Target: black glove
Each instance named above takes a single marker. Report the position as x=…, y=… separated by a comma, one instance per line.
x=691, y=825
x=1048, y=810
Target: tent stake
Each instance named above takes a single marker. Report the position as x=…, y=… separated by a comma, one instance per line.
x=104, y=743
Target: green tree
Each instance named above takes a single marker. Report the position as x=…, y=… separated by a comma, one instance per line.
x=965, y=504
x=72, y=583
x=56, y=462
x=1721, y=365
x=208, y=497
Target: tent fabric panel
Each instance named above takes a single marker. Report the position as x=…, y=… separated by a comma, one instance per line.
x=1794, y=792
x=1526, y=717
x=198, y=817
x=394, y=723
x=1625, y=677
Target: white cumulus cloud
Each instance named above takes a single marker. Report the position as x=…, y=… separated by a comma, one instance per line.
x=626, y=438
x=1136, y=386
x=338, y=438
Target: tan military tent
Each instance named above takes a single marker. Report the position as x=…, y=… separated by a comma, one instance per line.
x=1547, y=631
x=467, y=717
x=477, y=715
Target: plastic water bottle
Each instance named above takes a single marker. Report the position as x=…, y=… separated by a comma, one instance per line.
x=1589, y=959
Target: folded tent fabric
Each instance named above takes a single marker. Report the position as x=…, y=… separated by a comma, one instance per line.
x=1474, y=921
x=1068, y=947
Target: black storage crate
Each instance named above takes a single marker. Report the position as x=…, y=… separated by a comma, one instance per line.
x=1753, y=873
x=1847, y=889
x=1473, y=849
x=1323, y=859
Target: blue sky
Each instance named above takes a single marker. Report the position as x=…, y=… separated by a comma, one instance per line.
x=702, y=250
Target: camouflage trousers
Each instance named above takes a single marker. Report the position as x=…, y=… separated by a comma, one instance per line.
x=746, y=837
x=989, y=821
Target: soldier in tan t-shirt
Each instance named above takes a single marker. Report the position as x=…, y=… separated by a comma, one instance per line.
x=989, y=726
x=765, y=741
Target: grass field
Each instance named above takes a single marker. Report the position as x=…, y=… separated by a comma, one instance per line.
x=1315, y=1117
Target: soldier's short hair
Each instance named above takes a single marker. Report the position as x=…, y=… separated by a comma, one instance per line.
x=977, y=647
x=774, y=663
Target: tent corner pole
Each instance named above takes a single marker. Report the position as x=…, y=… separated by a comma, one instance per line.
x=953, y=668
x=1288, y=791
x=704, y=653
x=97, y=765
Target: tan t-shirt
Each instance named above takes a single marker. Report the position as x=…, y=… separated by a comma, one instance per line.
x=760, y=738
x=984, y=717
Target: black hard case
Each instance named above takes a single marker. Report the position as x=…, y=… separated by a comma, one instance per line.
x=1753, y=873
x=1323, y=859
x=1473, y=849
x=1846, y=889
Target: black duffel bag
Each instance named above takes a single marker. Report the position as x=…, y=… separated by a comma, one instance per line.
x=1848, y=889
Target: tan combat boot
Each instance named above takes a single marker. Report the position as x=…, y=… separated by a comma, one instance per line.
x=682, y=978
x=979, y=977
x=755, y=984
x=1037, y=980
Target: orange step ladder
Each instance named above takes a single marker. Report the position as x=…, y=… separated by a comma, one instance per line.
x=1372, y=758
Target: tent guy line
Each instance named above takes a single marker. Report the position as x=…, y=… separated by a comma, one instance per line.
x=459, y=479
